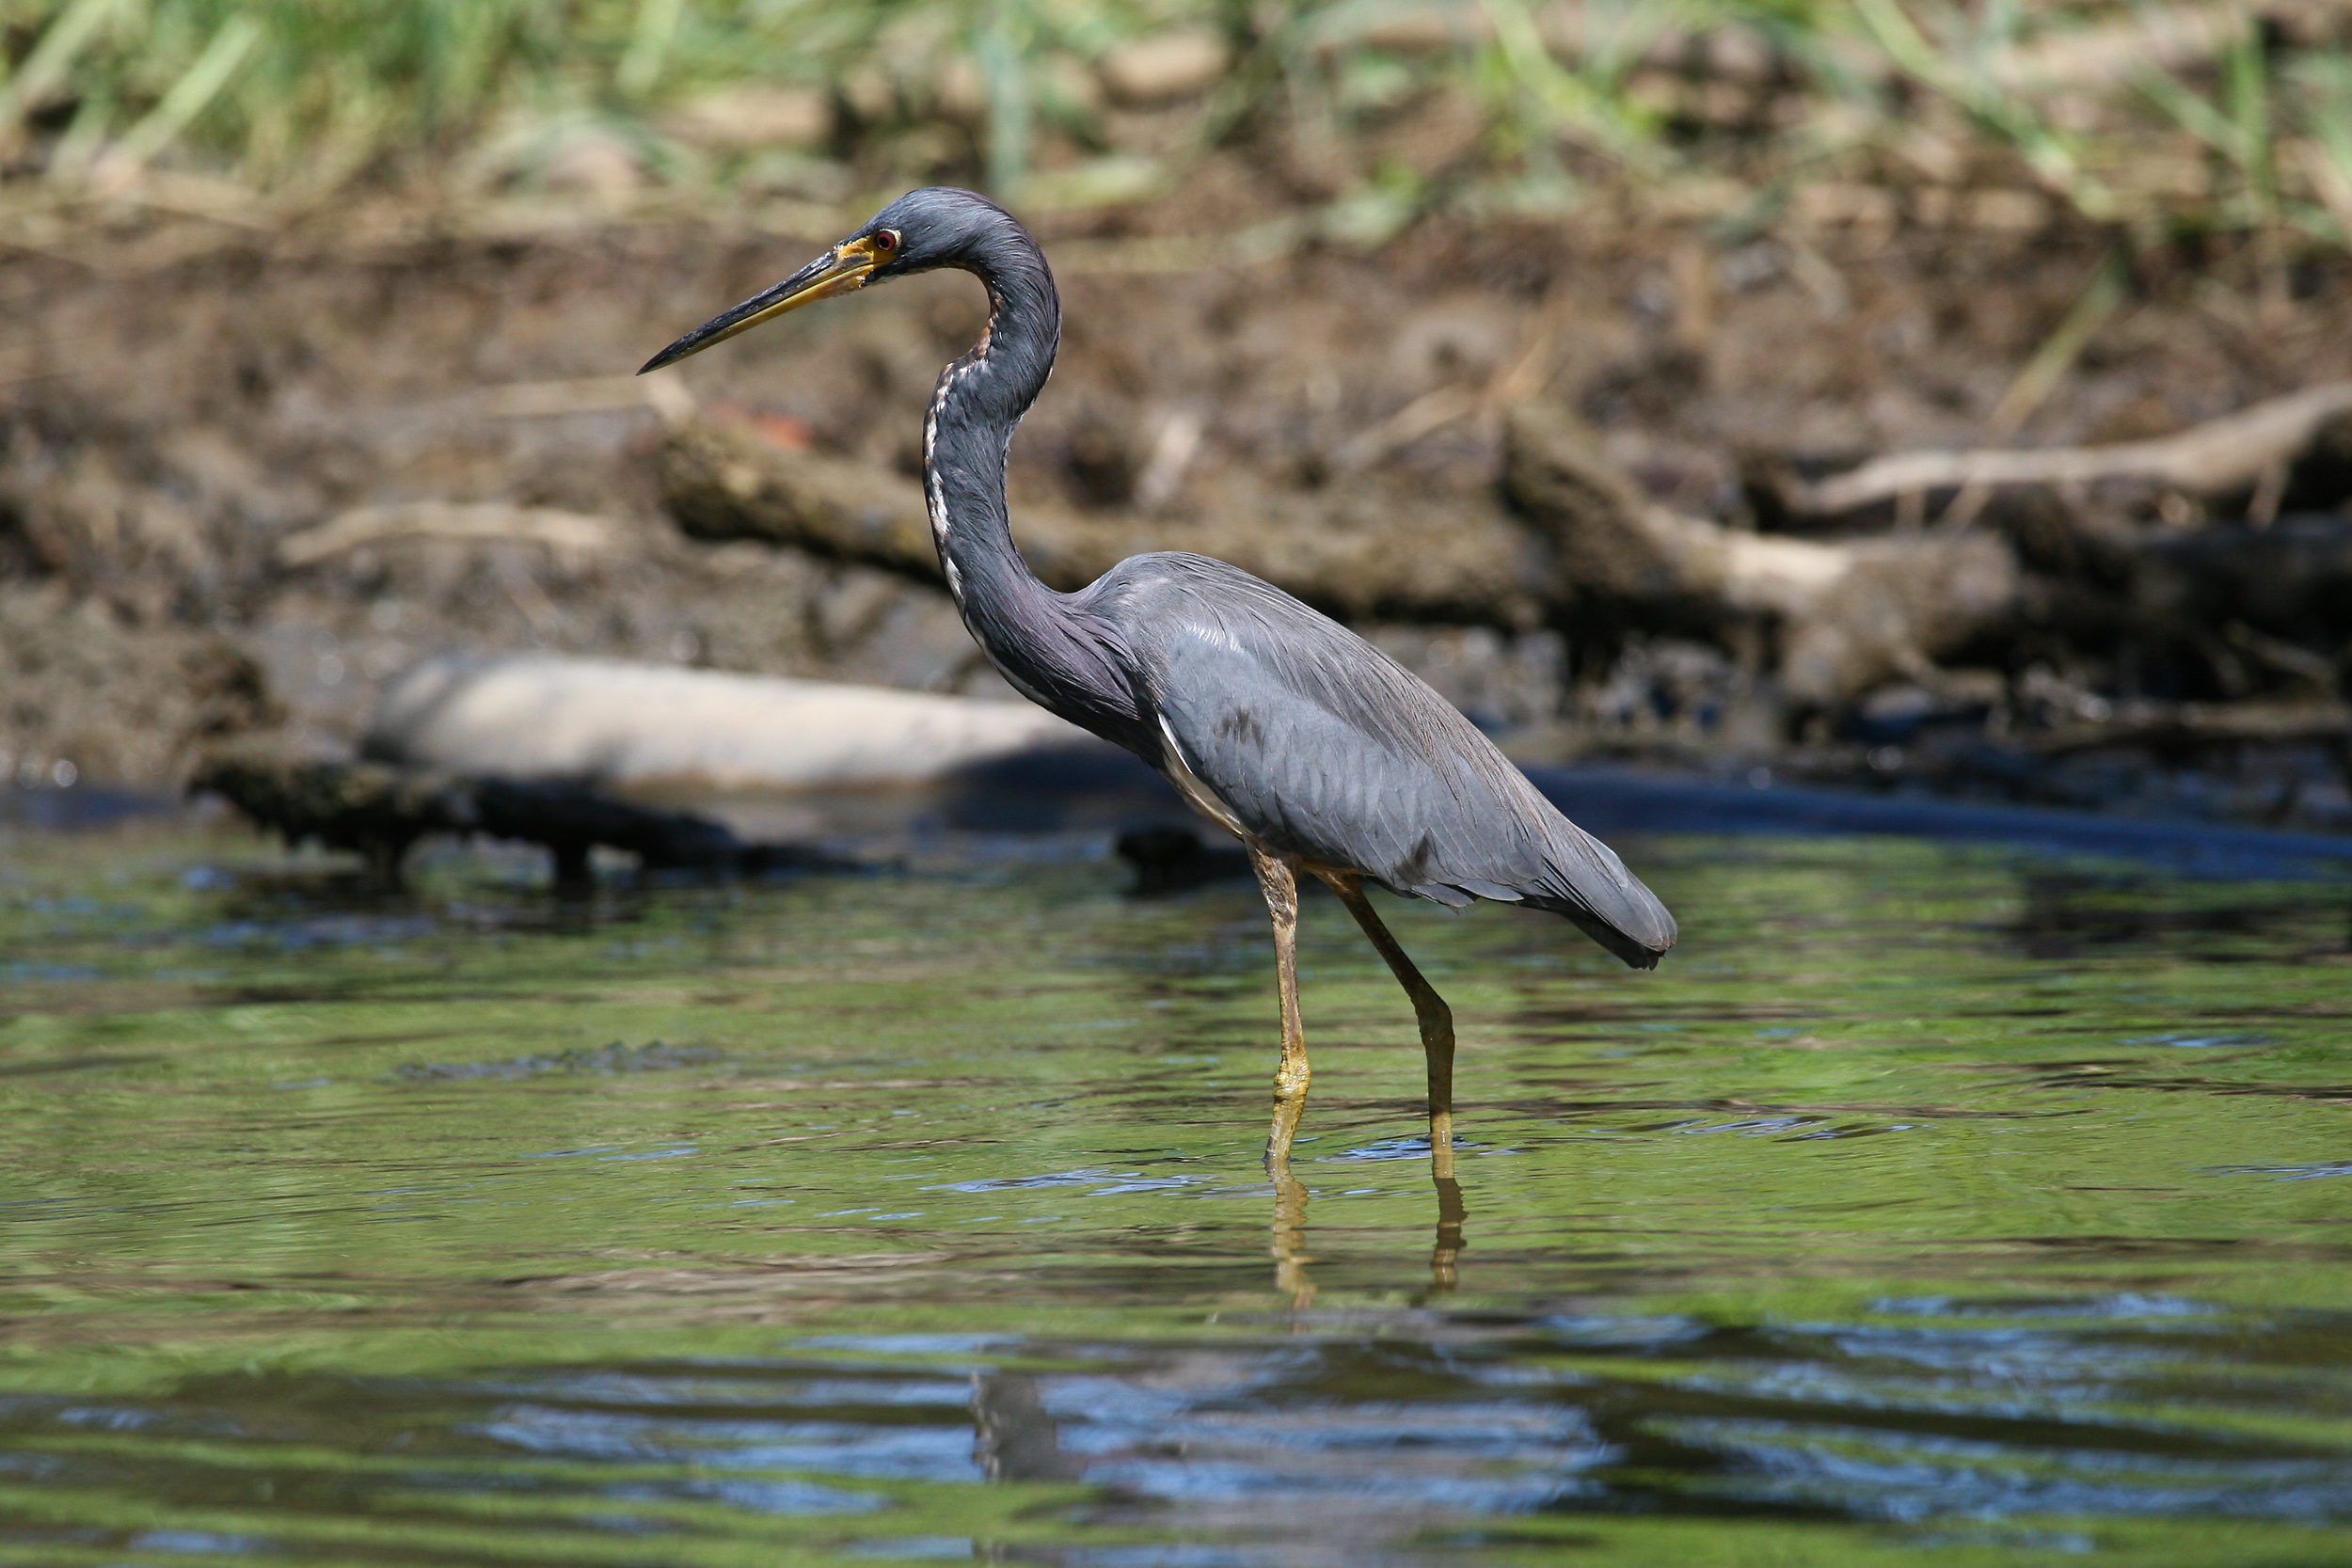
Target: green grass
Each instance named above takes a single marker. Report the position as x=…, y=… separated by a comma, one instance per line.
x=2233, y=132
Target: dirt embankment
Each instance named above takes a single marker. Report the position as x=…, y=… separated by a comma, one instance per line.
x=245, y=478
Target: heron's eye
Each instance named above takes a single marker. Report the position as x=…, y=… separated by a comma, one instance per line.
x=885, y=239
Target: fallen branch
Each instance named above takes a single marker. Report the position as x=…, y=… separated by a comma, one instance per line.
x=2189, y=726
x=1599, y=551
x=1354, y=549
x=629, y=725
x=2235, y=452
x=570, y=533
x=661, y=392
x=379, y=811
x=1849, y=615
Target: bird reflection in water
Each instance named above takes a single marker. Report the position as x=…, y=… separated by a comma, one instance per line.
x=1290, y=1236
x=1451, y=1214
x=1291, y=1256
x=1016, y=1437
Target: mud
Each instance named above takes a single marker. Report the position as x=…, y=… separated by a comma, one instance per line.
x=184, y=399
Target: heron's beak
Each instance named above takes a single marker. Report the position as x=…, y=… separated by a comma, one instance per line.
x=838, y=271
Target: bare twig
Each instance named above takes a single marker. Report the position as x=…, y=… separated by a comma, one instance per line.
x=2218, y=456
x=2059, y=351
x=564, y=533
x=662, y=393
x=1433, y=411
x=2209, y=724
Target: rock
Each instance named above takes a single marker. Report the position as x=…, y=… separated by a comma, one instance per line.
x=594, y=163
x=634, y=725
x=1164, y=67
x=960, y=90
x=750, y=116
x=1423, y=30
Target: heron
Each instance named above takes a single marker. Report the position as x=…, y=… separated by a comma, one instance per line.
x=1323, y=755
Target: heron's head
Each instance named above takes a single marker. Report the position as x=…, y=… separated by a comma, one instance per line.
x=938, y=227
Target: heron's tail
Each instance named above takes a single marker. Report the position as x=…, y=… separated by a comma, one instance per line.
x=1584, y=880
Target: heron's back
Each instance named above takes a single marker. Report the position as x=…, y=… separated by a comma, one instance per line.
x=1323, y=746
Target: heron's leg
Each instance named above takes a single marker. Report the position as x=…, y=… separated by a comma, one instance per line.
x=1280, y=885
x=1429, y=1008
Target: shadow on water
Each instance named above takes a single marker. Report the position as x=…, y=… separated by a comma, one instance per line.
x=1927, y=1208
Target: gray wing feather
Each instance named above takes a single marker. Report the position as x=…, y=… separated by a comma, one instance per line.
x=1324, y=747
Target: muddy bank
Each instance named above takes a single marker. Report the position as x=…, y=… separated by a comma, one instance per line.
x=327, y=459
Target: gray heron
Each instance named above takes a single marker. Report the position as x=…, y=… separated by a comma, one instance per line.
x=1318, y=752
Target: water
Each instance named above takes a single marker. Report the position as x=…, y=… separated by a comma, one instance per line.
x=1927, y=1208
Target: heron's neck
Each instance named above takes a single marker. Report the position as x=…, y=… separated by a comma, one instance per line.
x=1061, y=655
x=968, y=430
x=1058, y=656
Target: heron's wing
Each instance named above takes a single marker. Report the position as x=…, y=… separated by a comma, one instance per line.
x=1321, y=745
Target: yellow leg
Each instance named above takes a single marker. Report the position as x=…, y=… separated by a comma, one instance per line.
x=1429, y=1008
x=1280, y=885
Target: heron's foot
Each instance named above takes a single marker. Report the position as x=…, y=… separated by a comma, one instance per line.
x=1287, y=1109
